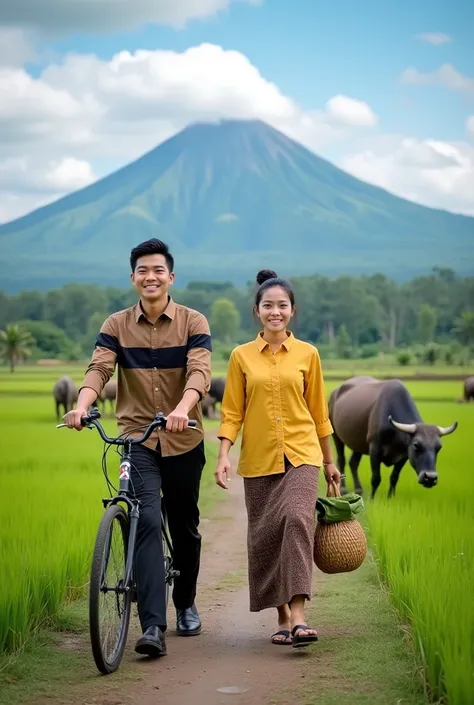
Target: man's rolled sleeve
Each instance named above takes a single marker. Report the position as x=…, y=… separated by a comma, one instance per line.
x=233, y=402
x=104, y=358
x=198, y=366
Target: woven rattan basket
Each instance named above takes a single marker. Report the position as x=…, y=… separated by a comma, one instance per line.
x=340, y=547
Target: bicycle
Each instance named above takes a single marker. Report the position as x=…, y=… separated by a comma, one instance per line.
x=108, y=657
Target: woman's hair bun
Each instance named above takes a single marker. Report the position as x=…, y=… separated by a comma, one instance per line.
x=264, y=275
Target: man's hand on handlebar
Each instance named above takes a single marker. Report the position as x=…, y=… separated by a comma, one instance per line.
x=79, y=418
x=73, y=418
x=177, y=421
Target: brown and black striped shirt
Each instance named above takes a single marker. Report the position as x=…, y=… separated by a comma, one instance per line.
x=157, y=361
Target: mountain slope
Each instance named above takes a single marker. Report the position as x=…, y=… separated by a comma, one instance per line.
x=228, y=198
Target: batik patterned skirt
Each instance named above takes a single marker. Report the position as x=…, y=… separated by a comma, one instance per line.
x=280, y=536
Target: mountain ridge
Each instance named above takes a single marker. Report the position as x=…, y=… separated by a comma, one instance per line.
x=239, y=190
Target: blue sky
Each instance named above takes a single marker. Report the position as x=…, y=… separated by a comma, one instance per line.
x=385, y=90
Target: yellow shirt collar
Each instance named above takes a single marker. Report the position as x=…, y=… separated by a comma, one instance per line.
x=262, y=344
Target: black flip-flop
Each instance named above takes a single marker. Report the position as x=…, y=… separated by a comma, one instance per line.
x=282, y=642
x=302, y=639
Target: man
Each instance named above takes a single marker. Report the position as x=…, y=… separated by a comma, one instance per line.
x=163, y=354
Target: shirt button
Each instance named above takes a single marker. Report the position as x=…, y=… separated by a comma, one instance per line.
x=156, y=389
x=278, y=418
x=154, y=328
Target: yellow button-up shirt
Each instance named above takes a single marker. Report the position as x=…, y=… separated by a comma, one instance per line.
x=280, y=400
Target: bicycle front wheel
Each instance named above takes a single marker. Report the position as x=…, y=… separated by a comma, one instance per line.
x=109, y=598
x=167, y=557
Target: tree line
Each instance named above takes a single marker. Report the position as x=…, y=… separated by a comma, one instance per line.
x=346, y=316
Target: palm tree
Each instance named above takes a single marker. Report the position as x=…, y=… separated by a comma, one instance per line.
x=15, y=344
x=464, y=327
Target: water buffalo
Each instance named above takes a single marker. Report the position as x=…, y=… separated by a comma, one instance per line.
x=216, y=390
x=207, y=404
x=65, y=394
x=380, y=419
x=469, y=389
x=109, y=393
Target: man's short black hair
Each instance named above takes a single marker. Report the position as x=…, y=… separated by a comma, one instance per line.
x=152, y=247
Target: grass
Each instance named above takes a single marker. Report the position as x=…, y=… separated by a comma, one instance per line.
x=39, y=379
x=52, y=486
x=423, y=541
x=37, y=673
x=363, y=656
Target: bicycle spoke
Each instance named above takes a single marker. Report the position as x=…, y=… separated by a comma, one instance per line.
x=111, y=608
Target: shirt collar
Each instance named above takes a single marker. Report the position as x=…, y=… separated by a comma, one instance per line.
x=169, y=311
x=262, y=344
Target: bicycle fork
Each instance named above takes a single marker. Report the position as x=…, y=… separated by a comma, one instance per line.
x=133, y=514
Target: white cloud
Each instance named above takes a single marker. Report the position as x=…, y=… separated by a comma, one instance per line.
x=434, y=173
x=98, y=16
x=349, y=111
x=50, y=176
x=446, y=76
x=435, y=38
x=127, y=105
x=470, y=125
x=26, y=184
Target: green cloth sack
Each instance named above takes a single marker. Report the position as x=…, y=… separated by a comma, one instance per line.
x=331, y=510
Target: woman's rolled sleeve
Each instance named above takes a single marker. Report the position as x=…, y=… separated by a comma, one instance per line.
x=315, y=396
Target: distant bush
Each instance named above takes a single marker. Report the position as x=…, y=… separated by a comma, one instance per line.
x=404, y=358
x=368, y=351
x=431, y=353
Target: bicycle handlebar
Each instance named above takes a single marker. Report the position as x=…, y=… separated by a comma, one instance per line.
x=92, y=420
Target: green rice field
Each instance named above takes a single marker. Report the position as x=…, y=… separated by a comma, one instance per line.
x=52, y=486
x=423, y=540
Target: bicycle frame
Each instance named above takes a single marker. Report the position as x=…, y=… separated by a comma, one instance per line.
x=124, y=494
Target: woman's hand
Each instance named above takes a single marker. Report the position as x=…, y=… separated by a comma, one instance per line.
x=332, y=474
x=222, y=473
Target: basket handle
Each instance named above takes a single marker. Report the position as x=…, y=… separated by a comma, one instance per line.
x=333, y=489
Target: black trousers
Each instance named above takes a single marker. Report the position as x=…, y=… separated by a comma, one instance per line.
x=179, y=478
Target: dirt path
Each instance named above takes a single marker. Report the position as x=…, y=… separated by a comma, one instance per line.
x=233, y=652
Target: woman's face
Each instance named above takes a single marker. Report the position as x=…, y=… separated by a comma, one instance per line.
x=275, y=310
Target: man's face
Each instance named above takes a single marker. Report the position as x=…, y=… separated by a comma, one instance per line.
x=152, y=277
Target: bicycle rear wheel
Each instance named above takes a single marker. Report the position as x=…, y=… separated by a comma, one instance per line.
x=109, y=600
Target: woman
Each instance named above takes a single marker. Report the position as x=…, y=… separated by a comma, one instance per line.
x=275, y=389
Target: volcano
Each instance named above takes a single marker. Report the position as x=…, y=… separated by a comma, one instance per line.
x=229, y=198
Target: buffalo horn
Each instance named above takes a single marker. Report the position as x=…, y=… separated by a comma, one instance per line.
x=405, y=427
x=446, y=431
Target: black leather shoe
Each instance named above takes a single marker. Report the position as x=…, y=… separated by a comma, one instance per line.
x=188, y=622
x=151, y=643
